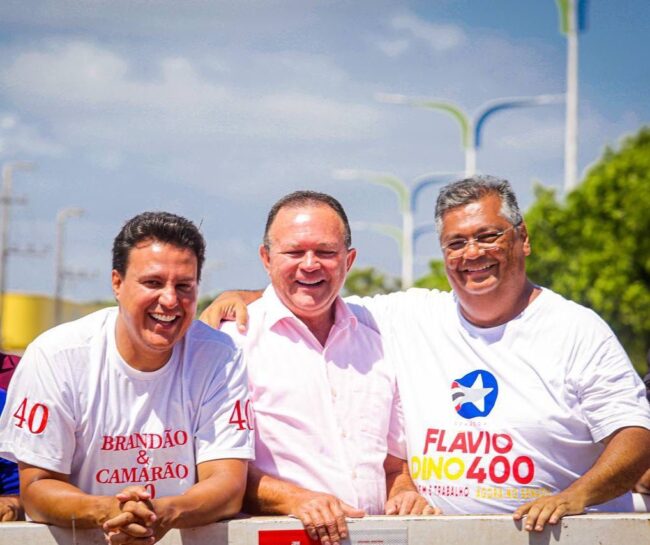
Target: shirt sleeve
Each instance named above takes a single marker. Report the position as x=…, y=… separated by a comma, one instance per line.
x=611, y=393
x=382, y=312
x=396, y=431
x=38, y=424
x=226, y=420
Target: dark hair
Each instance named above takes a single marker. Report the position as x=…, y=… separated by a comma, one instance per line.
x=298, y=199
x=474, y=188
x=162, y=227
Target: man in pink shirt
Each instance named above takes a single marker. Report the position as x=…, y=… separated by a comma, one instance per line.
x=329, y=433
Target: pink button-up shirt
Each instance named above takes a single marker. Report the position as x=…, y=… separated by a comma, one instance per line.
x=326, y=416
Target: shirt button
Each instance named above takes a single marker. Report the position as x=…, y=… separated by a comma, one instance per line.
x=333, y=393
x=344, y=434
x=354, y=474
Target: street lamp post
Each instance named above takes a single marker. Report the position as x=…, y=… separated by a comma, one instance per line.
x=6, y=201
x=407, y=202
x=60, y=271
x=470, y=127
x=572, y=22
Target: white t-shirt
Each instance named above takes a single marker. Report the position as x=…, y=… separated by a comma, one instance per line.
x=76, y=407
x=496, y=417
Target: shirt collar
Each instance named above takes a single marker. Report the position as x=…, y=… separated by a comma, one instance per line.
x=277, y=311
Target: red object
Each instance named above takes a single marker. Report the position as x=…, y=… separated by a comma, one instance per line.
x=8, y=363
x=285, y=537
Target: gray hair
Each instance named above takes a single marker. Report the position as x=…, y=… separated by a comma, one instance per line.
x=474, y=188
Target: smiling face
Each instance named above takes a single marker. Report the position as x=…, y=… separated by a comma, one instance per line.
x=307, y=260
x=491, y=274
x=157, y=297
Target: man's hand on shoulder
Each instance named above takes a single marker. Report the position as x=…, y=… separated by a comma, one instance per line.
x=230, y=306
x=136, y=521
x=11, y=509
x=323, y=516
x=549, y=509
x=409, y=502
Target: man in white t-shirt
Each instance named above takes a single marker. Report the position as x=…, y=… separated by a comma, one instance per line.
x=122, y=420
x=514, y=398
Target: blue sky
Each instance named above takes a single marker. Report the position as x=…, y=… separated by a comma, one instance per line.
x=215, y=109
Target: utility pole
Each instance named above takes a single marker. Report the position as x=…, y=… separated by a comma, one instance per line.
x=6, y=200
x=60, y=271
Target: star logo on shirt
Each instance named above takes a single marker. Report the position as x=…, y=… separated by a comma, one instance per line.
x=474, y=394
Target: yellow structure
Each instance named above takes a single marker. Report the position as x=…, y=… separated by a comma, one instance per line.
x=25, y=316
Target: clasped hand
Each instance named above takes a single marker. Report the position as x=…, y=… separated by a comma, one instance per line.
x=135, y=523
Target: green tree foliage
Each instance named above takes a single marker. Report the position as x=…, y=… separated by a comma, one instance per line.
x=595, y=247
x=369, y=281
x=436, y=279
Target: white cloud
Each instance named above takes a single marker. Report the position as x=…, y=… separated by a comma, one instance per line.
x=83, y=75
x=393, y=48
x=19, y=138
x=439, y=37
x=319, y=117
x=94, y=95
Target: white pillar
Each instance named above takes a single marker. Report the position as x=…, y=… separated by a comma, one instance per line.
x=470, y=161
x=407, y=249
x=571, y=132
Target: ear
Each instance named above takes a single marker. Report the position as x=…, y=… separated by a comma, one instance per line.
x=116, y=283
x=349, y=260
x=523, y=233
x=265, y=257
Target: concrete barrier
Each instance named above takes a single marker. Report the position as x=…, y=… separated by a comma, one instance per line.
x=601, y=529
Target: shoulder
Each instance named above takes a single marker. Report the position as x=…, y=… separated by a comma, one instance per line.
x=201, y=336
x=76, y=335
x=560, y=312
x=412, y=303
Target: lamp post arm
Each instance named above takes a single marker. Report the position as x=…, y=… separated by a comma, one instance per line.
x=427, y=180
x=381, y=178
x=397, y=185
x=494, y=106
x=423, y=229
x=382, y=228
x=455, y=112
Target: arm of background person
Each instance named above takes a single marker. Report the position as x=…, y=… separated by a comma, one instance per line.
x=11, y=508
x=230, y=305
x=625, y=458
x=323, y=515
x=403, y=497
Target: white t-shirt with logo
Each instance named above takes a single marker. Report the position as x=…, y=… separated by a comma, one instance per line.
x=496, y=417
x=76, y=407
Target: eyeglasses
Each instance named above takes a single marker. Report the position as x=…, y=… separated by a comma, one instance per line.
x=485, y=241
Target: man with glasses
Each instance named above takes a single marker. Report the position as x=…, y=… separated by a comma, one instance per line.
x=515, y=399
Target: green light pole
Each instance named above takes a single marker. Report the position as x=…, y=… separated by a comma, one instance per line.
x=407, y=197
x=470, y=127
